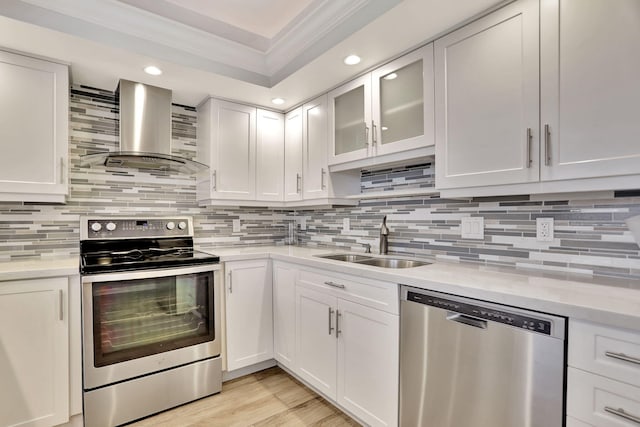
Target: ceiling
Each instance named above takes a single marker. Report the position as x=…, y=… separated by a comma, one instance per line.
x=246, y=50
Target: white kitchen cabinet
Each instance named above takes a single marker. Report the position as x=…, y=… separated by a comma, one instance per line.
x=227, y=143
x=293, y=155
x=249, y=313
x=314, y=149
x=34, y=129
x=342, y=336
x=590, y=90
x=270, y=156
x=34, y=356
x=284, y=313
x=487, y=89
x=603, y=379
x=383, y=113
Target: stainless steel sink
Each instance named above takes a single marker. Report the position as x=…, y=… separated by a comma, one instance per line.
x=345, y=257
x=392, y=262
x=377, y=262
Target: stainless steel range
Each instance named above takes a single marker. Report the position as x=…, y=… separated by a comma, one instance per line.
x=150, y=318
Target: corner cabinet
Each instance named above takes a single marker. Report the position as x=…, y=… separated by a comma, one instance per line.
x=34, y=129
x=551, y=103
x=284, y=313
x=34, y=361
x=249, y=309
x=376, y=118
x=270, y=156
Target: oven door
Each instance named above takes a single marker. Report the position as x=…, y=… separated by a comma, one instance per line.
x=137, y=323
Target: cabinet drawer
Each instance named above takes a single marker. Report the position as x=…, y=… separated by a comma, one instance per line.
x=604, y=350
x=369, y=292
x=592, y=398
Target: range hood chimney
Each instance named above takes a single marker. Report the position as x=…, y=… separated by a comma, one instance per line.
x=145, y=132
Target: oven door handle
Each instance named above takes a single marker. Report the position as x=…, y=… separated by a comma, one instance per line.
x=148, y=274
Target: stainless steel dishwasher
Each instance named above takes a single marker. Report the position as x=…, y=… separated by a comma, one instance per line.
x=465, y=362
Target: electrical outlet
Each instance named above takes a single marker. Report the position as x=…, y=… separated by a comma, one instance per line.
x=303, y=223
x=472, y=227
x=346, y=225
x=544, y=229
x=236, y=225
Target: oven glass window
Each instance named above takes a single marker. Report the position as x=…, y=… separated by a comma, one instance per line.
x=137, y=318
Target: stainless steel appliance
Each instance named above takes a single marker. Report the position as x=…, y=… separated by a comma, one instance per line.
x=465, y=362
x=150, y=318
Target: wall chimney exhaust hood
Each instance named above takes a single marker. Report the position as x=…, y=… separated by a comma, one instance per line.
x=145, y=132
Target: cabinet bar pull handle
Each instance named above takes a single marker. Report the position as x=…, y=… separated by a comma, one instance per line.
x=298, y=178
x=322, y=174
x=622, y=356
x=374, y=133
x=214, y=180
x=330, y=315
x=230, y=282
x=547, y=147
x=61, y=298
x=62, y=174
x=338, y=315
x=366, y=135
x=335, y=285
x=622, y=414
x=529, y=137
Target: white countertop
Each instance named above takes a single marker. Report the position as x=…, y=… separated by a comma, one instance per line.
x=602, y=302
x=39, y=267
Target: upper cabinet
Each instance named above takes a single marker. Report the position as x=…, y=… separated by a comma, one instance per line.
x=270, y=156
x=503, y=129
x=590, y=90
x=293, y=155
x=227, y=143
x=34, y=129
x=487, y=100
x=384, y=116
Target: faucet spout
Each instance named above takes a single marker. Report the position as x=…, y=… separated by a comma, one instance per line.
x=384, y=236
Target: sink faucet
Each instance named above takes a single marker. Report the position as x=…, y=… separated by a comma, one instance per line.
x=384, y=236
x=367, y=248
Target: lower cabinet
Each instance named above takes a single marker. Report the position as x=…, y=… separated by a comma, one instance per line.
x=34, y=352
x=249, y=313
x=346, y=350
x=603, y=379
x=284, y=313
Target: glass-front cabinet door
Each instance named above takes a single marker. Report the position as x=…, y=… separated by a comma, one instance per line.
x=350, y=116
x=403, y=103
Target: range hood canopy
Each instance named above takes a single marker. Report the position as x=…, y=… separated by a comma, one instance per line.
x=145, y=132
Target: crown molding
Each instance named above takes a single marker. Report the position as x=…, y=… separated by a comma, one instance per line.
x=205, y=43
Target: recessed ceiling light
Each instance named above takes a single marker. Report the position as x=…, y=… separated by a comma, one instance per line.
x=278, y=101
x=153, y=70
x=352, y=60
x=390, y=76
x=385, y=128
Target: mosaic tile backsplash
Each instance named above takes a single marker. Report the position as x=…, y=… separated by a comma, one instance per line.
x=590, y=234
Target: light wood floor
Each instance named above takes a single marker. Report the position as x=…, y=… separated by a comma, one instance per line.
x=267, y=398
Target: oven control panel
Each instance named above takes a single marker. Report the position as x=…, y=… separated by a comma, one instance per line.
x=119, y=228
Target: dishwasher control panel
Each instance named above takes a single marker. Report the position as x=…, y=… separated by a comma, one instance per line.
x=530, y=323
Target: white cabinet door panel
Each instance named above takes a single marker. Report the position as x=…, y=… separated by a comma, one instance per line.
x=249, y=313
x=284, y=313
x=487, y=97
x=316, y=339
x=590, y=92
x=34, y=352
x=270, y=156
x=368, y=360
x=314, y=146
x=293, y=155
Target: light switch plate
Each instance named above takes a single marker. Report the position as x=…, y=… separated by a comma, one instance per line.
x=236, y=225
x=303, y=223
x=346, y=225
x=472, y=227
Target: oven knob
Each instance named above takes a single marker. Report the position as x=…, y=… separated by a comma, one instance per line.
x=171, y=225
x=96, y=226
x=182, y=225
x=111, y=226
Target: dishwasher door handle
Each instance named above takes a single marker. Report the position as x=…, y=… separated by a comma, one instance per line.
x=467, y=320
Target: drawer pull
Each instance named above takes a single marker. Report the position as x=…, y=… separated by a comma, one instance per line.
x=622, y=414
x=622, y=356
x=335, y=285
